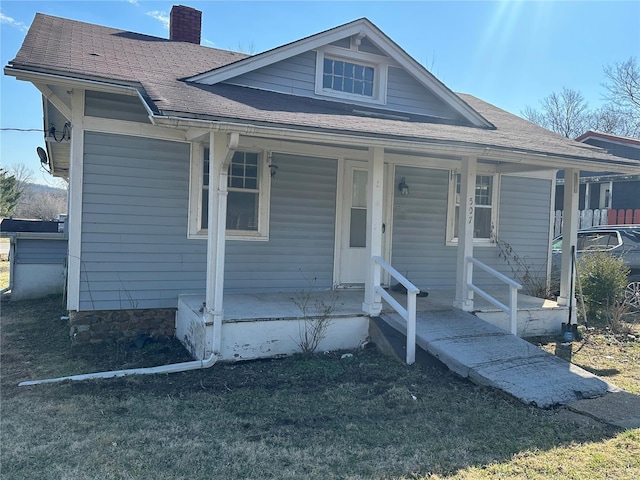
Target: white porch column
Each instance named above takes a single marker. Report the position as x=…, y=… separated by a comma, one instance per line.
x=375, y=210
x=219, y=158
x=464, y=271
x=74, y=208
x=570, y=218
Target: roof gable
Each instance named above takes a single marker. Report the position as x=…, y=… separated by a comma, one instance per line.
x=372, y=42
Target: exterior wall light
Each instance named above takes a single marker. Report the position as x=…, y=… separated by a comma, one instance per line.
x=403, y=188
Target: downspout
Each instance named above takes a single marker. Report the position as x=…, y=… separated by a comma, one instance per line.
x=213, y=316
x=173, y=368
x=208, y=362
x=12, y=254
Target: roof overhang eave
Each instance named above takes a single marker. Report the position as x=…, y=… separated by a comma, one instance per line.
x=64, y=79
x=68, y=79
x=406, y=144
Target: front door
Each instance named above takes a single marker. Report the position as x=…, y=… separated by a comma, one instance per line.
x=353, y=258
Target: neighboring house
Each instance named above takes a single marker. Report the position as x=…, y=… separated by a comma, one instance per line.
x=37, y=257
x=206, y=181
x=615, y=192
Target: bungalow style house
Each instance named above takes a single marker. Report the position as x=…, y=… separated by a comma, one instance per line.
x=207, y=187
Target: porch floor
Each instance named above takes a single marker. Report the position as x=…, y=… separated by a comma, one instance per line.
x=285, y=305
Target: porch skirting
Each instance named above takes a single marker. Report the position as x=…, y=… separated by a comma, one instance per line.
x=121, y=325
x=266, y=331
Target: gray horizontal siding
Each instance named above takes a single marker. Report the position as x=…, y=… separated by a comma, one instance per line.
x=41, y=251
x=525, y=206
x=614, y=148
x=299, y=253
x=116, y=107
x=135, y=251
x=406, y=94
x=296, y=76
x=419, y=228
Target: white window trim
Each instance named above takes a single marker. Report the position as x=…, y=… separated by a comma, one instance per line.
x=195, y=198
x=451, y=210
x=379, y=65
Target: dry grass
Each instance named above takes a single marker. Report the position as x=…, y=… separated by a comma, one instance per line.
x=614, y=357
x=310, y=417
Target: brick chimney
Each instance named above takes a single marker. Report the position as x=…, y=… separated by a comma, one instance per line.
x=185, y=24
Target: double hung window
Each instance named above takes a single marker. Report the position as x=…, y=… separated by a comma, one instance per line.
x=247, y=197
x=484, y=213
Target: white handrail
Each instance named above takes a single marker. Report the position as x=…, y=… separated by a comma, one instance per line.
x=409, y=314
x=512, y=309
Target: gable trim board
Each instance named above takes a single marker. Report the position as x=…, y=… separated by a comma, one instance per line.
x=362, y=28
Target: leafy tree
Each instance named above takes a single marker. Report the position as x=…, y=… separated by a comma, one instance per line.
x=9, y=193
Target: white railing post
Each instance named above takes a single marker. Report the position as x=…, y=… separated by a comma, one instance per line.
x=411, y=328
x=408, y=314
x=512, y=309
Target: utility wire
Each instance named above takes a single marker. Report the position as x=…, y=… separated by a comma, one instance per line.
x=24, y=129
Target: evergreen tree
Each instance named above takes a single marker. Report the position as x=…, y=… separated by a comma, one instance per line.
x=9, y=193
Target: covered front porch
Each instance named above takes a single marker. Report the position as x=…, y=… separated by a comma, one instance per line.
x=245, y=326
x=262, y=325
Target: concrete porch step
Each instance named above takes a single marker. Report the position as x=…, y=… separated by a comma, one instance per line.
x=490, y=356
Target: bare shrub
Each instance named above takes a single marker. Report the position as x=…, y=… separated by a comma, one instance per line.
x=316, y=308
x=534, y=282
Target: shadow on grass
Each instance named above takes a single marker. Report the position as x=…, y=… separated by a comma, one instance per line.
x=317, y=416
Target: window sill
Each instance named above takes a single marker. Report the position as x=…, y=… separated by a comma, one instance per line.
x=476, y=243
x=202, y=235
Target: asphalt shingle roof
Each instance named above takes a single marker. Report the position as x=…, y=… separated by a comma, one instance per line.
x=81, y=50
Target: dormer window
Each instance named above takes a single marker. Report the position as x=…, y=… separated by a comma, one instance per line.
x=351, y=75
x=348, y=77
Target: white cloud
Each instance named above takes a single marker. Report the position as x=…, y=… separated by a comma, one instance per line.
x=13, y=23
x=208, y=43
x=132, y=2
x=162, y=17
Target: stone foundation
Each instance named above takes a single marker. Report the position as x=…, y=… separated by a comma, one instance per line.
x=121, y=325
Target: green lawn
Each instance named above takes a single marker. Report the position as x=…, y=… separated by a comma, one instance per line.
x=315, y=417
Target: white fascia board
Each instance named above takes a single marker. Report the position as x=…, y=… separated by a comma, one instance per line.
x=45, y=78
x=34, y=235
x=425, y=146
x=280, y=53
x=51, y=78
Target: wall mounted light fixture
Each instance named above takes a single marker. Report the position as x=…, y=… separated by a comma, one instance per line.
x=403, y=188
x=273, y=169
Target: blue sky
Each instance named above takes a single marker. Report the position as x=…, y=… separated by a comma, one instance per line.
x=509, y=53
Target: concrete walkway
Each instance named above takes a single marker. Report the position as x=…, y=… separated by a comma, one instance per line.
x=490, y=356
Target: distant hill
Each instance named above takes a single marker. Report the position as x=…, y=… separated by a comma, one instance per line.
x=42, y=202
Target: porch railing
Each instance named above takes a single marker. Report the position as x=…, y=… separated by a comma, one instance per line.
x=409, y=313
x=512, y=309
